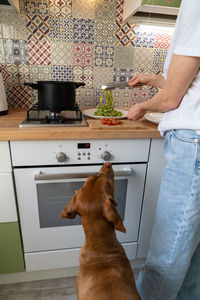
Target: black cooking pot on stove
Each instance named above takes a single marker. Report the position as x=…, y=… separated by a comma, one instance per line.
x=56, y=95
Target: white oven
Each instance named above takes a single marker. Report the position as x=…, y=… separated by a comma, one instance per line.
x=47, y=174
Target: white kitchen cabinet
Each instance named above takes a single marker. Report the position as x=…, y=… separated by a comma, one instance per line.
x=8, y=212
x=154, y=11
x=5, y=162
x=11, y=255
x=155, y=169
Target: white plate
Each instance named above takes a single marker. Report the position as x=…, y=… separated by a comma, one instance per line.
x=90, y=113
x=154, y=117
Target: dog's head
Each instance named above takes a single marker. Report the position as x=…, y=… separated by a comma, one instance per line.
x=96, y=198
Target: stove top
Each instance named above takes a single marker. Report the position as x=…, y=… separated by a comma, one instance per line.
x=36, y=117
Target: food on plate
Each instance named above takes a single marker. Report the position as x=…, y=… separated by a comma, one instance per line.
x=107, y=110
x=108, y=121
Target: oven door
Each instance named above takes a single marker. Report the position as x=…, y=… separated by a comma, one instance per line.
x=42, y=194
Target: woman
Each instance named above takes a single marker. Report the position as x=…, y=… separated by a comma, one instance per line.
x=172, y=268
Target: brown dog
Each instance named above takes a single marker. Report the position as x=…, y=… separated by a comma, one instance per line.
x=105, y=272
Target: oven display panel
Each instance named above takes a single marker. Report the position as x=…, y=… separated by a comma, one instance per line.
x=83, y=145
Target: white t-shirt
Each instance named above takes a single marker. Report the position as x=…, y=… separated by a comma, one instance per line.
x=185, y=41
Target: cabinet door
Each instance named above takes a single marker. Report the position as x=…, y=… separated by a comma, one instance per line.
x=11, y=254
x=175, y=3
x=8, y=212
x=5, y=164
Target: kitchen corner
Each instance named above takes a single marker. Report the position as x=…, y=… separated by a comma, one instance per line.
x=85, y=42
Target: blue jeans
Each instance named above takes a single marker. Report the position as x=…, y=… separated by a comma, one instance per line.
x=172, y=268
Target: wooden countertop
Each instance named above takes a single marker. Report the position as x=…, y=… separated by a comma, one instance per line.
x=9, y=130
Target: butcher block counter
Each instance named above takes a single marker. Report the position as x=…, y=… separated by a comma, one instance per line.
x=9, y=129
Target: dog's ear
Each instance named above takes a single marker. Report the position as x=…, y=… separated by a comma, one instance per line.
x=70, y=209
x=111, y=214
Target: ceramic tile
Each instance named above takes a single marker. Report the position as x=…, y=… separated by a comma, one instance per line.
x=122, y=75
x=5, y=74
x=143, y=59
x=96, y=97
x=38, y=73
x=162, y=40
x=125, y=34
x=83, y=9
x=60, y=8
x=2, y=52
x=139, y=95
x=83, y=55
x=83, y=74
x=19, y=96
x=1, y=33
x=145, y=37
x=36, y=7
x=84, y=97
x=122, y=97
x=105, y=32
x=13, y=25
x=104, y=56
x=61, y=29
x=62, y=53
x=17, y=74
x=39, y=53
x=106, y=9
x=159, y=56
x=37, y=27
x=119, y=11
x=16, y=51
x=83, y=31
x=123, y=57
x=102, y=76
x=62, y=73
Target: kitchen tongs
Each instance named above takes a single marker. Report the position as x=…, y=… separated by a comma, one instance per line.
x=111, y=86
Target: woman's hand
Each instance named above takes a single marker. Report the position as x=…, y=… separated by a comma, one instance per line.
x=147, y=79
x=136, y=111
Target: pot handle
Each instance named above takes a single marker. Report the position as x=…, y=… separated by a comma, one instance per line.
x=78, y=84
x=32, y=85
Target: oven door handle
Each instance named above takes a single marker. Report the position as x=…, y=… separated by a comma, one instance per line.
x=46, y=176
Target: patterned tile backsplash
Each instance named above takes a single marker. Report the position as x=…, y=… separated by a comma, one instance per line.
x=79, y=40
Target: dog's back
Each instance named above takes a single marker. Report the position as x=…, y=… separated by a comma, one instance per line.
x=105, y=272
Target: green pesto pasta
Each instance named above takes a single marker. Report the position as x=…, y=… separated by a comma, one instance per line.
x=107, y=110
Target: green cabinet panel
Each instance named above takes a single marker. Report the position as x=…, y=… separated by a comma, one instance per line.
x=175, y=3
x=11, y=253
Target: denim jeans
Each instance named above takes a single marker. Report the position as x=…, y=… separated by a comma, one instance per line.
x=172, y=268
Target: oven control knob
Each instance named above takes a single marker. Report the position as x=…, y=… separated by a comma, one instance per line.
x=61, y=157
x=106, y=155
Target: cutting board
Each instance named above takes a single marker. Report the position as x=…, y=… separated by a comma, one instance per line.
x=125, y=125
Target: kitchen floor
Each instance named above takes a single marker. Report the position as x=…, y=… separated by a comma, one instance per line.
x=52, y=289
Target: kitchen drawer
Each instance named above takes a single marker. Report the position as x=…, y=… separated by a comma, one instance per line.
x=5, y=163
x=11, y=255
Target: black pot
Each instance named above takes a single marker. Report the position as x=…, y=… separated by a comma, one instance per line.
x=56, y=95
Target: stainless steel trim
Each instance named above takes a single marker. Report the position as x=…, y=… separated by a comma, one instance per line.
x=110, y=86
x=46, y=176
